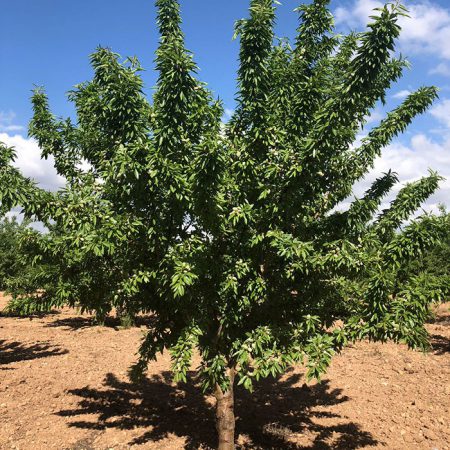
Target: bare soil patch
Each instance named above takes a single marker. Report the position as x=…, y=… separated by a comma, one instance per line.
x=64, y=385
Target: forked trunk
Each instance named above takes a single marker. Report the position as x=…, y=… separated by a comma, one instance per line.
x=225, y=421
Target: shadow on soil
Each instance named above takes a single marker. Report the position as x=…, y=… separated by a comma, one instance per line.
x=442, y=320
x=440, y=344
x=11, y=352
x=276, y=411
x=35, y=315
x=80, y=322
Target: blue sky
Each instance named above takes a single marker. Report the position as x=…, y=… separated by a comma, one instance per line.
x=47, y=42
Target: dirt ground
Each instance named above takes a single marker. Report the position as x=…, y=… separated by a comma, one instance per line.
x=63, y=385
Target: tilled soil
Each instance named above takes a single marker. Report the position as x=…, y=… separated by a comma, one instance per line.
x=64, y=385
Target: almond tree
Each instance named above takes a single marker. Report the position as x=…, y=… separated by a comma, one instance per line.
x=231, y=234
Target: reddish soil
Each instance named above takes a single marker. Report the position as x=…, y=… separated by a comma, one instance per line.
x=63, y=385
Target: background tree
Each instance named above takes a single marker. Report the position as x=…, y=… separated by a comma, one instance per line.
x=11, y=259
x=229, y=234
x=432, y=267
x=45, y=279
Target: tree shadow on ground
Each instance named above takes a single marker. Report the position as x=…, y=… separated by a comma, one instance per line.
x=442, y=319
x=34, y=315
x=13, y=351
x=440, y=344
x=276, y=411
x=80, y=322
x=74, y=323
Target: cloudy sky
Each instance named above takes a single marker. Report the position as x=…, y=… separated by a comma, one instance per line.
x=48, y=42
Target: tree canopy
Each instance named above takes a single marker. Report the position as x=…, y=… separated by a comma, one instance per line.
x=230, y=234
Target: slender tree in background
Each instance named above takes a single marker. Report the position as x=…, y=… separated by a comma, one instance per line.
x=228, y=234
x=13, y=264
x=433, y=264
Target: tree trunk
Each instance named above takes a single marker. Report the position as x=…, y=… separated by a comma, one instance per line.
x=225, y=421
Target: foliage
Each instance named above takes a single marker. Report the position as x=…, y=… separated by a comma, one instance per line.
x=229, y=234
x=11, y=263
x=52, y=277
x=436, y=262
x=433, y=265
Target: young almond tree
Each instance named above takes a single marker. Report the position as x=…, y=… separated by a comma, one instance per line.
x=231, y=235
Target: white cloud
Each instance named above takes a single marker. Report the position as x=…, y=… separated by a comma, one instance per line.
x=441, y=69
x=357, y=14
x=7, y=116
x=412, y=162
x=228, y=113
x=442, y=112
x=374, y=116
x=7, y=122
x=30, y=163
x=402, y=94
x=426, y=30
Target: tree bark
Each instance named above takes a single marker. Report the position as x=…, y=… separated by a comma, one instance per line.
x=225, y=421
